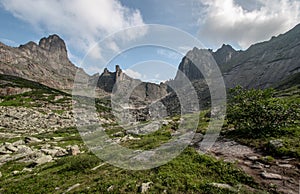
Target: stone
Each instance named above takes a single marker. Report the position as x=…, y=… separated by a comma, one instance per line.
x=19, y=142
x=222, y=186
x=257, y=165
x=3, y=150
x=61, y=152
x=72, y=187
x=198, y=137
x=4, y=158
x=128, y=138
x=271, y=176
x=118, y=134
x=43, y=159
x=15, y=172
x=277, y=143
x=145, y=187
x=73, y=150
x=24, y=149
x=252, y=158
x=51, y=152
x=11, y=148
x=27, y=170
x=110, y=188
x=285, y=165
x=96, y=167
x=57, y=138
x=32, y=140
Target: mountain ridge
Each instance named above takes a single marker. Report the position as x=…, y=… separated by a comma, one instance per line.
x=262, y=65
x=46, y=62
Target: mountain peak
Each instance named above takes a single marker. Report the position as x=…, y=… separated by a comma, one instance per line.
x=53, y=43
x=55, y=46
x=224, y=54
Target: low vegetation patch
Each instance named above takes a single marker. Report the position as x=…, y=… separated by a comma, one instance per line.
x=261, y=117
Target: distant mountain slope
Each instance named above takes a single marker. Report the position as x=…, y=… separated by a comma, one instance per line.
x=263, y=65
x=141, y=91
x=46, y=63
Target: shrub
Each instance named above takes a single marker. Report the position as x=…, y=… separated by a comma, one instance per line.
x=257, y=113
x=79, y=163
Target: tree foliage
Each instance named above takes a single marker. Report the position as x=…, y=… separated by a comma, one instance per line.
x=257, y=113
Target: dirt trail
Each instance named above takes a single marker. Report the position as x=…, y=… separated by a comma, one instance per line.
x=281, y=175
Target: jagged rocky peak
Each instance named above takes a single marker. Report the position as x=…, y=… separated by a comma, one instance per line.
x=108, y=79
x=224, y=54
x=30, y=45
x=188, y=66
x=54, y=44
x=46, y=62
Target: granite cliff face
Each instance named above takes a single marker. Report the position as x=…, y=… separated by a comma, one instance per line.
x=46, y=62
x=263, y=65
x=140, y=91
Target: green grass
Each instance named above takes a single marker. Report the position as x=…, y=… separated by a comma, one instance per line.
x=151, y=140
x=188, y=173
x=38, y=95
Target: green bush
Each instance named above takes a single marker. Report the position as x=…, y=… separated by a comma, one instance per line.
x=257, y=113
x=80, y=163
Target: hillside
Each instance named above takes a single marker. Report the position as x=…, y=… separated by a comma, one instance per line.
x=263, y=65
x=41, y=151
x=46, y=62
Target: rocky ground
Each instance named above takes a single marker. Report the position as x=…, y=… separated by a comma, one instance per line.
x=40, y=132
x=281, y=175
x=23, y=140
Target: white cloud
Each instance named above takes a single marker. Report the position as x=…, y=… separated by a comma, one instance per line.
x=8, y=42
x=82, y=23
x=226, y=21
x=169, y=54
x=133, y=74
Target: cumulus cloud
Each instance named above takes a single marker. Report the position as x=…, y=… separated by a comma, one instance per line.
x=133, y=74
x=83, y=23
x=231, y=21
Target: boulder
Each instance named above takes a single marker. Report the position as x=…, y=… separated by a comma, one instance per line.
x=73, y=150
x=19, y=142
x=277, y=143
x=32, y=140
x=11, y=148
x=43, y=159
x=24, y=149
x=271, y=176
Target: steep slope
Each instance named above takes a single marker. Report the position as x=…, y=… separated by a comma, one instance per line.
x=224, y=54
x=263, y=65
x=46, y=62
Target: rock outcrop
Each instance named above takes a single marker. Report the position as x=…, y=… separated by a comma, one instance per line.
x=119, y=82
x=46, y=62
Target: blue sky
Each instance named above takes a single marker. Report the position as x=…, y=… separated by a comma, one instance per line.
x=82, y=24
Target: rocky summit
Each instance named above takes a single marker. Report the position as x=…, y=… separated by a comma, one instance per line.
x=121, y=83
x=46, y=62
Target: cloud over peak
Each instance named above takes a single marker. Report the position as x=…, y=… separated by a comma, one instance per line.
x=231, y=21
x=83, y=22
